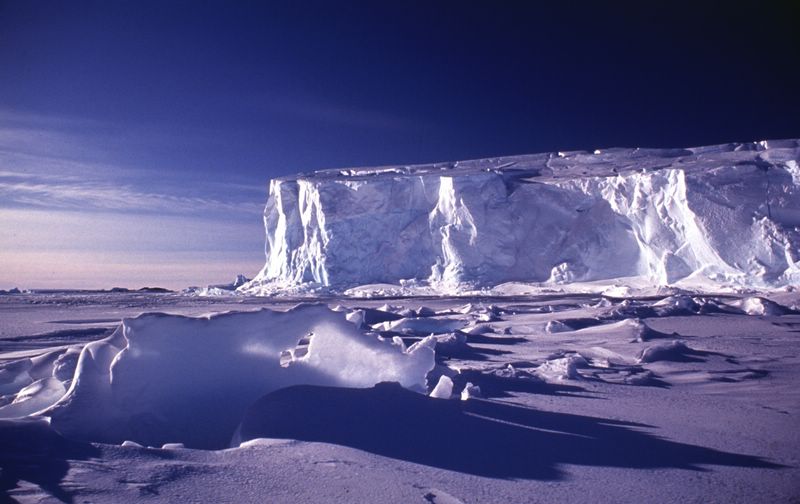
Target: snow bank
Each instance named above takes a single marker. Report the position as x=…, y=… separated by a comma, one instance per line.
x=166, y=379
x=721, y=215
x=672, y=351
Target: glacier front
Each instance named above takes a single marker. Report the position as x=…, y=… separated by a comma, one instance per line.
x=724, y=215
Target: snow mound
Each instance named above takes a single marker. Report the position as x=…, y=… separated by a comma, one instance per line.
x=173, y=379
x=676, y=351
x=425, y=325
x=726, y=215
x=571, y=324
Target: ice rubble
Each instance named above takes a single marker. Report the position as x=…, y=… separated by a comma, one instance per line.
x=167, y=378
x=720, y=215
x=217, y=289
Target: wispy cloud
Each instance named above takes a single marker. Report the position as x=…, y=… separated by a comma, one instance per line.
x=53, y=137
x=42, y=121
x=73, y=215
x=69, y=192
x=53, y=163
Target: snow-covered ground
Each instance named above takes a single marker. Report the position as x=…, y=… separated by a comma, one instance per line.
x=615, y=326
x=575, y=397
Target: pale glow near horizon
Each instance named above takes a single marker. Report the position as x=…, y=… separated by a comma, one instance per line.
x=75, y=214
x=69, y=249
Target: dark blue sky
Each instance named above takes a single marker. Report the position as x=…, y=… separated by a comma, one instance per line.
x=186, y=109
x=279, y=87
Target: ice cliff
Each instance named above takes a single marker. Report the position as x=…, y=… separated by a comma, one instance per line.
x=719, y=215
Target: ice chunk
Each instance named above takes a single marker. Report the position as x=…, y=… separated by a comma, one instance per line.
x=467, y=308
x=760, y=306
x=487, y=317
x=451, y=343
x=172, y=446
x=563, y=368
x=477, y=329
x=512, y=373
x=556, y=326
x=677, y=305
x=470, y=391
x=356, y=317
x=443, y=389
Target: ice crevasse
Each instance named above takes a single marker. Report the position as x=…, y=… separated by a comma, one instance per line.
x=718, y=215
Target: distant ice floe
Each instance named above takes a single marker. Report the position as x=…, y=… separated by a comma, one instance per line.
x=228, y=289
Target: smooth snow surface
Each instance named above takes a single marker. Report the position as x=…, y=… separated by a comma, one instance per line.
x=719, y=216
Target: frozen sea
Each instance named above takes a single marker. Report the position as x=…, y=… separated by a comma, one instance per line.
x=572, y=397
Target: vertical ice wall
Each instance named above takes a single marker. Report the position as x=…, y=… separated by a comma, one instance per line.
x=726, y=214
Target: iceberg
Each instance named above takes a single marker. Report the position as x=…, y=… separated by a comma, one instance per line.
x=724, y=215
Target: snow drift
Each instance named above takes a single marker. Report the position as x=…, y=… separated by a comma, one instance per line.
x=167, y=378
x=721, y=215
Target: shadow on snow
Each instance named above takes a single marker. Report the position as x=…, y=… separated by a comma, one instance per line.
x=32, y=451
x=484, y=438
